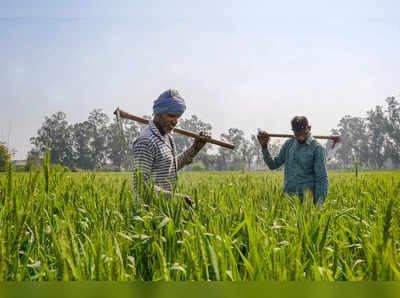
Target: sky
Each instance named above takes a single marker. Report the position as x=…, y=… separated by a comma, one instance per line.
x=243, y=64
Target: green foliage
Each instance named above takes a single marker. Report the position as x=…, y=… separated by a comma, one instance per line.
x=46, y=168
x=198, y=166
x=356, y=168
x=33, y=160
x=87, y=145
x=20, y=169
x=101, y=145
x=56, y=134
x=85, y=226
x=4, y=157
x=374, y=140
x=76, y=170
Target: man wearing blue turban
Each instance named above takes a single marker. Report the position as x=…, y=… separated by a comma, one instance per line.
x=155, y=158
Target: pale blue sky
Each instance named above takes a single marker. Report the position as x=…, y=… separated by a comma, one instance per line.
x=244, y=64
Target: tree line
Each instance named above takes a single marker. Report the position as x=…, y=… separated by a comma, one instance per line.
x=99, y=143
x=372, y=141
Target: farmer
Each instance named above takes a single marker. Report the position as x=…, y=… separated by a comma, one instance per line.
x=304, y=159
x=154, y=153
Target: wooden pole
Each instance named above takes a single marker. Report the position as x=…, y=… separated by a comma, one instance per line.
x=334, y=138
x=187, y=133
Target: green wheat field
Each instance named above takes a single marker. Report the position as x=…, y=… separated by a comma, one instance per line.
x=57, y=225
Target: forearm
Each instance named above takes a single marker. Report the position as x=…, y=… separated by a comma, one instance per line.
x=321, y=189
x=272, y=163
x=321, y=177
x=186, y=157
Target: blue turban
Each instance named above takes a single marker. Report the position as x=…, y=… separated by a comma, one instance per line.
x=169, y=101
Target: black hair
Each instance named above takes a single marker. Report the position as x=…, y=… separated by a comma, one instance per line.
x=300, y=123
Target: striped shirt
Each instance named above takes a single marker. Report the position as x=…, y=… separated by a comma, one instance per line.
x=155, y=158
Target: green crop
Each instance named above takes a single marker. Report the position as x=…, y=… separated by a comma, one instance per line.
x=56, y=225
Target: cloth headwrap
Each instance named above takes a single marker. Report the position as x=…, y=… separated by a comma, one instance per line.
x=169, y=101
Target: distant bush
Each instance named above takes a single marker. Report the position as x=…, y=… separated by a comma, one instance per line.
x=20, y=169
x=108, y=168
x=59, y=168
x=4, y=157
x=33, y=160
x=198, y=167
x=76, y=170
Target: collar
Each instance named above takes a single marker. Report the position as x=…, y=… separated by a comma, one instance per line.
x=308, y=141
x=156, y=132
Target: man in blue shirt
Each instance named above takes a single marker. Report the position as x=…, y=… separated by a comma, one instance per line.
x=304, y=159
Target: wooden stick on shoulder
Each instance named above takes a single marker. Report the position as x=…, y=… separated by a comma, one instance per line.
x=334, y=138
x=187, y=133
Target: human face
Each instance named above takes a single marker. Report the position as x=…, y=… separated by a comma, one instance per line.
x=302, y=136
x=168, y=121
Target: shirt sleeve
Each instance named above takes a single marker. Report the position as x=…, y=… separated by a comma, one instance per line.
x=275, y=162
x=321, y=175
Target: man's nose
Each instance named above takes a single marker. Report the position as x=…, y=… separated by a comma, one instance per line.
x=174, y=122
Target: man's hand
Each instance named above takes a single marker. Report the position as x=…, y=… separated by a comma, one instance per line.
x=335, y=140
x=263, y=138
x=188, y=200
x=201, y=141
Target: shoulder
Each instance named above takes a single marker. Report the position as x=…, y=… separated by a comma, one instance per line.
x=288, y=143
x=318, y=148
x=146, y=139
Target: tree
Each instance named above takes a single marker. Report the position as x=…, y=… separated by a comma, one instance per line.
x=5, y=157
x=56, y=134
x=373, y=141
x=33, y=160
x=120, y=146
x=377, y=125
x=194, y=124
x=354, y=146
x=392, y=154
x=231, y=159
x=247, y=151
x=84, y=158
x=258, y=157
x=97, y=124
x=197, y=166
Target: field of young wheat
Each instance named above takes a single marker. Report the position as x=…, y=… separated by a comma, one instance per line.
x=57, y=225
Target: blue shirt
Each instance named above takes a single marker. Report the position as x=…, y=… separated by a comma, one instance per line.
x=305, y=168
